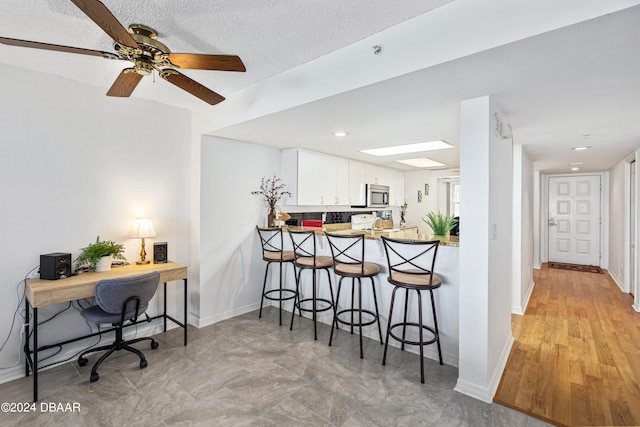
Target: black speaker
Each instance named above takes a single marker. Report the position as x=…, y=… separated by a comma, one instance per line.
x=160, y=252
x=55, y=266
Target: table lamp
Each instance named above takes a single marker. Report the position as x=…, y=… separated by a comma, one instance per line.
x=142, y=228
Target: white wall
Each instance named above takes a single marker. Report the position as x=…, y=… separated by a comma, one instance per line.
x=617, y=227
x=415, y=181
x=231, y=266
x=522, y=236
x=76, y=164
x=485, y=277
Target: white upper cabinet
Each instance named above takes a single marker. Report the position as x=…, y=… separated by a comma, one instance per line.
x=395, y=181
x=376, y=174
x=315, y=178
x=320, y=179
x=357, y=181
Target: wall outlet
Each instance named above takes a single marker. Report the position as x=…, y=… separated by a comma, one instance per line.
x=35, y=274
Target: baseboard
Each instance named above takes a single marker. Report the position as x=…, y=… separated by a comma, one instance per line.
x=617, y=280
x=502, y=363
x=473, y=390
x=636, y=306
x=537, y=266
x=486, y=393
x=522, y=308
x=430, y=351
x=72, y=350
x=210, y=320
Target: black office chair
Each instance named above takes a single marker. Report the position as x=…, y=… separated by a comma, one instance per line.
x=118, y=301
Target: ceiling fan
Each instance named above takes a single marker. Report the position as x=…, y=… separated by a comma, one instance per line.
x=139, y=45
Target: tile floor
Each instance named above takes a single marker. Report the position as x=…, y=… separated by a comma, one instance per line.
x=250, y=371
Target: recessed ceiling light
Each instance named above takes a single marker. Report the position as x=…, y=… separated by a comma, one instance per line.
x=421, y=162
x=340, y=133
x=581, y=148
x=408, y=148
x=575, y=169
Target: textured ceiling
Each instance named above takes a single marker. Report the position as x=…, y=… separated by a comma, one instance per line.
x=573, y=86
x=269, y=35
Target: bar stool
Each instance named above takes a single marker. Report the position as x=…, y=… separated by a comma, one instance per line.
x=272, y=251
x=306, y=258
x=411, y=268
x=348, y=262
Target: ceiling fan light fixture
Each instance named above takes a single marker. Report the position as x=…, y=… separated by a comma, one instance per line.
x=408, y=148
x=422, y=162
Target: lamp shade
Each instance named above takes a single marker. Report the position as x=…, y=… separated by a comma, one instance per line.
x=142, y=227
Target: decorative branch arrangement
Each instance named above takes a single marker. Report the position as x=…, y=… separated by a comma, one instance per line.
x=273, y=190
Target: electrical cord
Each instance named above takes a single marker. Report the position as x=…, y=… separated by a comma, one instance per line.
x=19, y=314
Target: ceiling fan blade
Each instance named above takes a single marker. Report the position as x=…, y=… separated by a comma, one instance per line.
x=99, y=14
x=125, y=83
x=196, y=61
x=191, y=86
x=56, y=47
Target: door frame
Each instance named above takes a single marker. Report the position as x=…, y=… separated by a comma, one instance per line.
x=626, y=280
x=604, y=214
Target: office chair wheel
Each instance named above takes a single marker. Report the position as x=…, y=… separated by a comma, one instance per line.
x=154, y=345
x=83, y=361
x=94, y=377
x=143, y=364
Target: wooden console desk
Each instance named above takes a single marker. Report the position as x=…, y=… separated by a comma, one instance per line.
x=40, y=293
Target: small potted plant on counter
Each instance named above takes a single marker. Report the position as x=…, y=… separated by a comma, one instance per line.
x=440, y=224
x=98, y=256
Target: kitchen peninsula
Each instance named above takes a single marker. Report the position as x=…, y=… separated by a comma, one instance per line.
x=446, y=297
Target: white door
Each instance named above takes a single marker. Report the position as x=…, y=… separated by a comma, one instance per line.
x=574, y=219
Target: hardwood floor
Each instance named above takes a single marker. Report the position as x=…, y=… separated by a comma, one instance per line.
x=576, y=356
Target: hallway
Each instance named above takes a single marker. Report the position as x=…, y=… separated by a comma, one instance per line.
x=576, y=356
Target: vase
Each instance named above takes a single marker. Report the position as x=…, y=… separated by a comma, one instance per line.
x=104, y=263
x=271, y=217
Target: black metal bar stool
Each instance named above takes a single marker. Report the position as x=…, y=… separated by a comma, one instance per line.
x=411, y=268
x=306, y=258
x=348, y=262
x=273, y=251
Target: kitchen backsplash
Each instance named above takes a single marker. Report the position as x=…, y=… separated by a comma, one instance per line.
x=333, y=217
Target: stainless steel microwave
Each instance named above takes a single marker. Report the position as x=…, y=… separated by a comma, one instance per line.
x=377, y=196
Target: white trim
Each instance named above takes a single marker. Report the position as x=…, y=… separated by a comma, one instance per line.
x=73, y=350
x=617, y=281
x=520, y=310
x=210, y=320
x=486, y=394
x=430, y=351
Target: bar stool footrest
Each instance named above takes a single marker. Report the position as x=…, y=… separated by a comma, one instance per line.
x=355, y=315
x=323, y=300
x=406, y=341
x=290, y=294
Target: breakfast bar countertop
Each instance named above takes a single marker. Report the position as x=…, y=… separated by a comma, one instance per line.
x=404, y=233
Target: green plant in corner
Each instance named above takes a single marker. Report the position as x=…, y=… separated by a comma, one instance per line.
x=440, y=224
x=94, y=251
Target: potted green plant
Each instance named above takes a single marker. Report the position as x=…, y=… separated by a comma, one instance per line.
x=98, y=255
x=440, y=224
